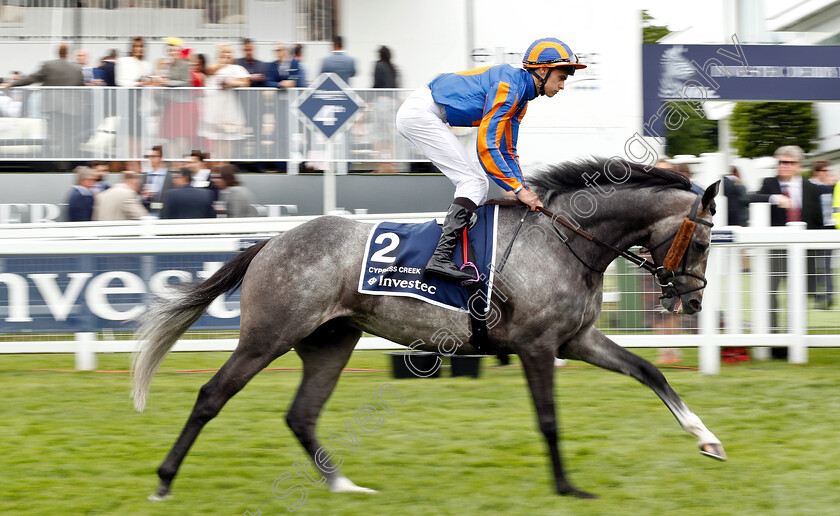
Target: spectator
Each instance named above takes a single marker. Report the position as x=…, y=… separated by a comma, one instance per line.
x=384, y=76
x=836, y=208
x=385, y=73
x=277, y=72
x=121, y=201
x=179, y=123
x=102, y=169
x=200, y=169
x=63, y=108
x=296, y=71
x=156, y=182
x=822, y=284
x=184, y=201
x=106, y=71
x=57, y=72
x=80, y=202
x=238, y=201
x=222, y=119
x=339, y=62
x=82, y=58
x=132, y=71
x=198, y=71
x=255, y=67
x=792, y=199
x=737, y=202
x=664, y=163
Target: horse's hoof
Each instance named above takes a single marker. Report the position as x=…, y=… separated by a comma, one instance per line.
x=158, y=498
x=345, y=485
x=577, y=493
x=713, y=450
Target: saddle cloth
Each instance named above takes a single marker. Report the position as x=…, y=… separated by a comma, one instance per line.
x=396, y=254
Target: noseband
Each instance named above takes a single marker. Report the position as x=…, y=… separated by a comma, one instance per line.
x=665, y=274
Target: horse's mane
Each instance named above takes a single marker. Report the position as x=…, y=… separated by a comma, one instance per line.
x=575, y=175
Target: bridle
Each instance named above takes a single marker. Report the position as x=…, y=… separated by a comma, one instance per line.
x=664, y=275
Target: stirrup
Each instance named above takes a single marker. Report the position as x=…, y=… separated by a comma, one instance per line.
x=475, y=269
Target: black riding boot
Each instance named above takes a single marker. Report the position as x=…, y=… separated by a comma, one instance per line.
x=441, y=264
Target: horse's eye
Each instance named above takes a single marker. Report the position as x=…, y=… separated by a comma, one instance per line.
x=701, y=246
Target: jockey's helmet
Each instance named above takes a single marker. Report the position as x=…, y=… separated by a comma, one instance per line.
x=551, y=52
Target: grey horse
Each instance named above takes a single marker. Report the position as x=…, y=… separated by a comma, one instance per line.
x=299, y=291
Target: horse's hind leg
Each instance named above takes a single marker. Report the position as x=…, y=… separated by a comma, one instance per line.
x=324, y=353
x=594, y=347
x=538, y=364
x=242, y=365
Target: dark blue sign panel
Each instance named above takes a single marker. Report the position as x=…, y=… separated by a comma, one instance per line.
x=698, y=73
x=329, y=105
x=72, y=293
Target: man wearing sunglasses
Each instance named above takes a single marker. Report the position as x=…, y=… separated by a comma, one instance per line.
x=792, y=199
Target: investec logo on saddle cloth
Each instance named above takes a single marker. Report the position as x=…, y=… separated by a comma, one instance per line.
x=396, y=254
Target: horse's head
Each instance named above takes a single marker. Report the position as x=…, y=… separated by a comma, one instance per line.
x=679, y=246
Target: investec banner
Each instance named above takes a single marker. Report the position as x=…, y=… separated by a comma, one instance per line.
x=90, y=292
x=697, y=73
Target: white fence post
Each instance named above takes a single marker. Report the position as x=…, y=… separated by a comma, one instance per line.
x=735, y=297
x=760, y=266
x=797, y=298
x=709, y=352
x=85, y=351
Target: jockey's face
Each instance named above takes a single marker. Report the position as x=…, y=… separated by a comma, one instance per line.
x=556, y=81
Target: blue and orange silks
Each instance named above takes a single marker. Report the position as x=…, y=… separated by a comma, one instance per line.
x=495, y=99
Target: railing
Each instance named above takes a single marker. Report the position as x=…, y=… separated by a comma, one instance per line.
x=123, y=261
x=248, y=124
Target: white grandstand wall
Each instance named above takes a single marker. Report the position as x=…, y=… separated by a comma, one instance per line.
x=596, y=115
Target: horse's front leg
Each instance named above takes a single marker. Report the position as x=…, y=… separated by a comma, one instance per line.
x=594, y=347
x=538, y=364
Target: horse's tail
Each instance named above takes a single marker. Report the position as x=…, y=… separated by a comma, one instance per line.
x=168, y=319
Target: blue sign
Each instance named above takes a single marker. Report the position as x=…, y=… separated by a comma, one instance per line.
x=91, y=292
x=698, y=73
x=722, y=236
x=329, y=105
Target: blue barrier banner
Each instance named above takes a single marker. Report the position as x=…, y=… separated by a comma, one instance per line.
x=90, y=292
x=698, y=73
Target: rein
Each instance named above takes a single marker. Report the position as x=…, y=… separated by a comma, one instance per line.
x=664, y=275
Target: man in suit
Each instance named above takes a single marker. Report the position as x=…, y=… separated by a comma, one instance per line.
x=106, y=72
x=155, y=182
x=296, y=70
x=737, y=205
x=80, y=202
x=792, y=199
x=255, y=67
x=64, y=107
x=277, y=72
x=121, y=201
x=339, y=62
x=186, y=201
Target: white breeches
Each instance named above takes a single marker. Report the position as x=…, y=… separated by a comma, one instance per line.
x=423, y=122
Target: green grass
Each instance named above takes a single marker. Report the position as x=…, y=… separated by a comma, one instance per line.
x=70, y=442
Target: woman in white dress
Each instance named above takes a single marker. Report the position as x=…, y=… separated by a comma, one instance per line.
x=222, y=118
x=132, y=71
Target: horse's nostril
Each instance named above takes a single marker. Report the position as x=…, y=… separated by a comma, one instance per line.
x=695, y=305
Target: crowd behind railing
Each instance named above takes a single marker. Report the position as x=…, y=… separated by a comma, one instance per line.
x=236, y=109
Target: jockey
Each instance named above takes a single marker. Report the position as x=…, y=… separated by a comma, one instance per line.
x=494, y=99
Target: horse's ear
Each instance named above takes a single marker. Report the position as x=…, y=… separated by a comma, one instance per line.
x=710, y=193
